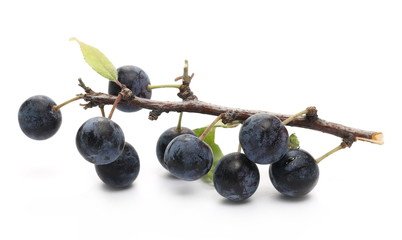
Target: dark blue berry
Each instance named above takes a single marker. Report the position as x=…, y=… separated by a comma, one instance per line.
x=188, y=158
x=100, y=140
x=136, y=80
x=296, y=174
x=264, y=138
x=236, y=177
x=165, y=138
x=37, y=118
x=122, y=172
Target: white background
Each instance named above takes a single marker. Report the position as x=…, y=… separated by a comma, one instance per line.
x=344, y=57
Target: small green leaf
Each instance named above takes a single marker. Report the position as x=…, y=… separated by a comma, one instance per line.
x=294, y=141
x=216, y=150
x=97, y=60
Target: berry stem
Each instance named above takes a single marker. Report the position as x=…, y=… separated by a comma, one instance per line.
x=341, y=146
x=150, y=87
x=102, y=108
x=178, y=128
x=291, y=118
x=239, y=148
x=57, y=107
x=119, y=97
x=119, y=83
x=204, y=134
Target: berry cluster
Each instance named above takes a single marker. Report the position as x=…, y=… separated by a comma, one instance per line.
x=264, y=139
x=99, y=140
x=184, y=153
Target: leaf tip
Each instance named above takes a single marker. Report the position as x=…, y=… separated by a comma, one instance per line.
x=73, y=39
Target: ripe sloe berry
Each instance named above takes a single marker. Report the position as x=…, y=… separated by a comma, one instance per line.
x=100, y=140
x=136, y=80
x=122, y=172
x=264, y=138
x=165, y=138
x=236, y=177
x=188, y=158
x=296, y=174
x=37, y=118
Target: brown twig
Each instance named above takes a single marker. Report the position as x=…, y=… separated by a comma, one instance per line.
x=196, y=106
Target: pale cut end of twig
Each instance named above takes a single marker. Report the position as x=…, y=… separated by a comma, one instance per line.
x=376, y=138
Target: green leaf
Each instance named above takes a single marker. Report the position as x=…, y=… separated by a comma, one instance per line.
x=216, y=150
x=97, y=60
x=294, y=141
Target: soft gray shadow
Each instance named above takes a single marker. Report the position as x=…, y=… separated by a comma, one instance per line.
x=171, y=177
x=177, y=185
x=284, y=198
x=228, y=202
x=108, y=188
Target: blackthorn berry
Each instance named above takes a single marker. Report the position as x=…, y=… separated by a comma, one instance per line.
x=136, y=80
x=100, y=140
x=188, y=158
x=122, y=172
x=296, y=174
x=264, y=138
x=37, y=118
x=165, y=138
x=236, y=177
